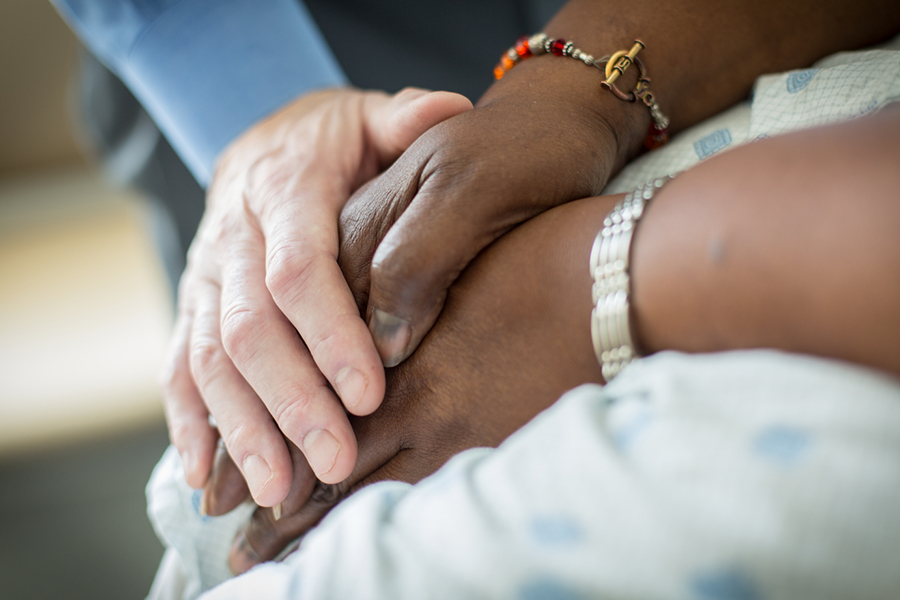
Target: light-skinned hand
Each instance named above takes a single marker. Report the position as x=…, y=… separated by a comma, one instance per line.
x=513, y=336
x=268, y=338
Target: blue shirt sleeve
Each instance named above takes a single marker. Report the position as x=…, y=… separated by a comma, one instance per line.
x=206, y=70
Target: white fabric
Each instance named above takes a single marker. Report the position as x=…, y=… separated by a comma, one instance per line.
x=840, y=87
x=745, y=475
x=201, y=543
x=742, y=475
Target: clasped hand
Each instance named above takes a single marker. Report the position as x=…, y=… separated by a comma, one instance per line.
x=263, y=268
x=512, y=337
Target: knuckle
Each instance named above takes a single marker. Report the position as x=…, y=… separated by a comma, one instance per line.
x=240, y=325
x=288, y=268
x=291, y=412
x=175, y=378
x=413, y=277
x=185, y=289
x=399, y=256
x=320, y=342
x=385, y=263
x=206, y=358
x=230, y=228
x=238, y=439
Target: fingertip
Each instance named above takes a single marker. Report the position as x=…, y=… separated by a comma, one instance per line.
x=418, y=98
x=192, y=472
x=409, y=94
x=450, y=103
x=351, y=385
x=392, y=336
x=269, y=481
x=331, y=459
x=225, y=488
x=416, y=111
x=196, y=448
x=361, y=393
x=189, y=430
x=423, y=111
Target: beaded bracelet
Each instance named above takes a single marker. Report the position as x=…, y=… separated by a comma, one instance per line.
x=610, y=330
x=613, y=67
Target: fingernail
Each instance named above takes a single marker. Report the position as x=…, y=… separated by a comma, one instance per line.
x=391, y=335
x=257, y=473
x=276, y=512
x=204, y=503
x=189, y=463
x=321, y=450
x=351, y=387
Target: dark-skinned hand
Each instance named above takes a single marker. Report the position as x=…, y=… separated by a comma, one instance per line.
x=545, y=134
x=474, y=177
x=501, y=352
x=263, y=268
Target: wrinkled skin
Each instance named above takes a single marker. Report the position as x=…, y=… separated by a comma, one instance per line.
x=494, y=359
x=544, y=135
x=469, y=180
x=262, y=269
x=458, y=186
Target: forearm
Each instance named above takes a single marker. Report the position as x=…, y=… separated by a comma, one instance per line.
x=701, y=57
x=812, y=215
x=792, y=243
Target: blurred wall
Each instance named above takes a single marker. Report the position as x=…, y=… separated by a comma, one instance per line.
x=38, y=55
x=84, y=316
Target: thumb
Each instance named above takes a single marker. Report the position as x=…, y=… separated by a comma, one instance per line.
x=415, y=264
x=393, y=125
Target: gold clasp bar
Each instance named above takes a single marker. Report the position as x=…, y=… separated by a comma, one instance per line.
x=620, y=61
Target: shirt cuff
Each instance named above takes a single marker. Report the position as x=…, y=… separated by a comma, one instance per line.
x=206, y=70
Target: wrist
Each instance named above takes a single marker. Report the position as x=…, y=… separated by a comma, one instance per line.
x=591, y=119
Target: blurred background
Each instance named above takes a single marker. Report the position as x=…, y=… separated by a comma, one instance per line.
x=85, y=312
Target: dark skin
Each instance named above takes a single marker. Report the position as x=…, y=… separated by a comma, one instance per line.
x=547, y=133
x=544, y=135
x=806, y=260
x=518, y=371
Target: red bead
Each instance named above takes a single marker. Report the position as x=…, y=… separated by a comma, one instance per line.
x=522, y=48
x=656, y=137
x=558, y=46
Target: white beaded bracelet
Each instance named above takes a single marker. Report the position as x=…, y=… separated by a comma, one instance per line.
x=610, y=329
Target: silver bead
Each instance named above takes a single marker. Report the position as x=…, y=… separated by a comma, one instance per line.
x=610, y=329
x=536, y=43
